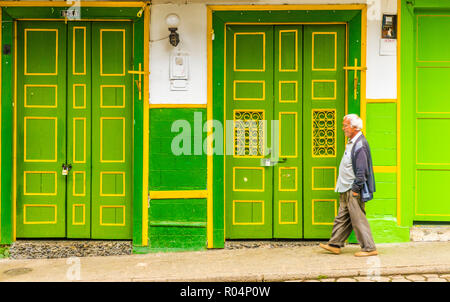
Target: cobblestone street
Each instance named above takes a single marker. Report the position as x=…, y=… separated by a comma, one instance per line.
x=392, y=278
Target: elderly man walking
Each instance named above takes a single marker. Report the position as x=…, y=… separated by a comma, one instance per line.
x=355, y=185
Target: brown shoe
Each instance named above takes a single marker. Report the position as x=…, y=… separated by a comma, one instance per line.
x=334, y=250
x=365, y=254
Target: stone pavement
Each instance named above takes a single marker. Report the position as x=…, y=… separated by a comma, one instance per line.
x=262, y=263
x=391, y=278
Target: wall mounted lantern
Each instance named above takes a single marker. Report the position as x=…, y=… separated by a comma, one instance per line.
x=172, y=21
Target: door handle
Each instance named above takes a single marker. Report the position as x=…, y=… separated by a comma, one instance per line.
x=267, y=162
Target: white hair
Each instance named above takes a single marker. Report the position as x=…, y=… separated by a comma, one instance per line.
x=355, y=121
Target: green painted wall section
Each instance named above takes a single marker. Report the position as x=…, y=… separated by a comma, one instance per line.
x=176, y=224
x=381, y=133
x=168, y=171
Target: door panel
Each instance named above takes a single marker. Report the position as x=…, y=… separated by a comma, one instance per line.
x=41, y=129
x=112, y=95
x=431, y=167
x=323, y=101
x=249, y=99
x=79, y=130
x=287, y=202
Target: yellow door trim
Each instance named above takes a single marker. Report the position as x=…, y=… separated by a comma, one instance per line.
x=287, y=7
x=146, y=127
x=187, y=194
x=65, y=4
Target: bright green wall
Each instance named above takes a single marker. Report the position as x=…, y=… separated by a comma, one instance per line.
x=176, y=224
x=381, y=133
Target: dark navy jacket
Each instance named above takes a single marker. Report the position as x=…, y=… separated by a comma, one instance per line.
x=364, y=182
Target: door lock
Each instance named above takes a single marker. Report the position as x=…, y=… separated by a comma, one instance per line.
x=66, y=169
x=267, y=162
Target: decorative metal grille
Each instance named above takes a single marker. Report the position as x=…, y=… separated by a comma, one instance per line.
x=324, y=133
x=248, y=133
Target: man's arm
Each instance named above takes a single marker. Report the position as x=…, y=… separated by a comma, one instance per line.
x=360, y=171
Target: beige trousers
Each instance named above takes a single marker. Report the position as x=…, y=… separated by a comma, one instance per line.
x=351, y=216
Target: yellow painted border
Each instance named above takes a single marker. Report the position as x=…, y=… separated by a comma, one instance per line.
x=74, y=140
x=73, y=214
x=249, y=168
x=25, y=139
x=101, y=140
x=279, y=179
x=188, y=194
x=279, y=212
x=415, y=194
x=74, y=50
x=385, y=169
x=84, y=183
x=323, y=81
x=324, y=189
x=26, y=50
x=417, y=140
x=65, y=4
x=101, y=52
x=399, y=44
x=296, y=133
x=40, y=106
x=381, y=101
x=335, y=211
x=279, y=91
x=335, y=51
x=264, y=51
x=38, y=222
x=249, y=99
x=287, y=7
x=39, y=194
x=74, y=96
x=248, y=223
x=417, y=87
x=112, y=86
x=417, y=39
x=209, y=138
x=1, y=57
x=280, y=52
x=112, y=224
x=172, y=106
x=146, y=125
x=112, y=173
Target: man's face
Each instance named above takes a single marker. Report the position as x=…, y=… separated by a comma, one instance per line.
x=349, y=131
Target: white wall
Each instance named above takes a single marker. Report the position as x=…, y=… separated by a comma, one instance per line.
x=381, y=72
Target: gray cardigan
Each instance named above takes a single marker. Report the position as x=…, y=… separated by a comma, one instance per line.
x=364, y=182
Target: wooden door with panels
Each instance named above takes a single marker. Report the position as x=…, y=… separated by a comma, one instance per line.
x=74, y=110
x=277, y=181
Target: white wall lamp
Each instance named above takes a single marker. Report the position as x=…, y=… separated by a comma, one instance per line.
x=172, y=21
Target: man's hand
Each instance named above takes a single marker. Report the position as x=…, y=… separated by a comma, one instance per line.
x=355, y=194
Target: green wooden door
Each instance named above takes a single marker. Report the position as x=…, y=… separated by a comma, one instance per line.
x=292, y=77
x=287, y=174
x=82, y=118
x=430, y=167
x=79, y=127
x=324, y=107
x=41, y=129
x=112, y=120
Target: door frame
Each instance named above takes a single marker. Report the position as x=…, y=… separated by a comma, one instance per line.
x=136, y=12
x=218, y=17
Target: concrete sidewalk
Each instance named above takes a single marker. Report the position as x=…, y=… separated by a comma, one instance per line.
x=252, y=264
